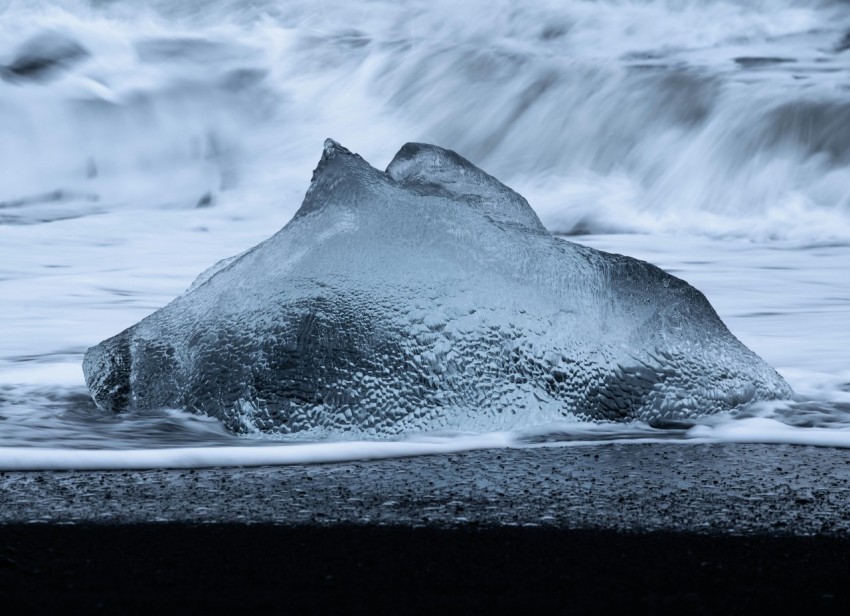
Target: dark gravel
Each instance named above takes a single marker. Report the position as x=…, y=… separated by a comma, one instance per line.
x=739, y=489
x=644, y=528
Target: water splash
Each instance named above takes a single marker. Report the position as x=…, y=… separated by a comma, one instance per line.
x=719, y=117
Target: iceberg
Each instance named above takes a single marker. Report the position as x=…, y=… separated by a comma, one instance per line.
x=427, y=297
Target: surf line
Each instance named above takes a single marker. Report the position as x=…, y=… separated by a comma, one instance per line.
x=43, y=459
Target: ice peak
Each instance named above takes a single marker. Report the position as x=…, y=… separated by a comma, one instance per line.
x=341, y=179
x=333, y=147
x=428, y=168
x=342, y=160
x=344, y=177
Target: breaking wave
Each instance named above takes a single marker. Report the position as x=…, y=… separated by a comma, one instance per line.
x=720, y=117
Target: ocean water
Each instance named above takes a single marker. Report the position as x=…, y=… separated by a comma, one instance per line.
x=140, y=142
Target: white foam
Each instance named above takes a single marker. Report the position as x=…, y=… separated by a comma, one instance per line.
x=761, y=430
x=36, y=458
x=57, y=374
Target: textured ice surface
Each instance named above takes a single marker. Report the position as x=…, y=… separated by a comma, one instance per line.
x=427, y=297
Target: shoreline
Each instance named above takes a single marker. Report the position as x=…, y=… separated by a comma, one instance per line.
x=649, y=528
x=647, y=487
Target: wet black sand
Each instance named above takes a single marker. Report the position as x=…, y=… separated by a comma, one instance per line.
x=649, y=528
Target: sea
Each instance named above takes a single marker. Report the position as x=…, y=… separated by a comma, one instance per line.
x=142, y=141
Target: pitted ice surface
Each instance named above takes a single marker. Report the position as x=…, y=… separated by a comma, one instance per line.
x=426, y=298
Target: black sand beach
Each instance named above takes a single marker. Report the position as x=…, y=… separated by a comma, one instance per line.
x=648, y=528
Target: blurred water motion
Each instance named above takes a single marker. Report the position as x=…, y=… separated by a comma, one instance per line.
x=723, y=116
